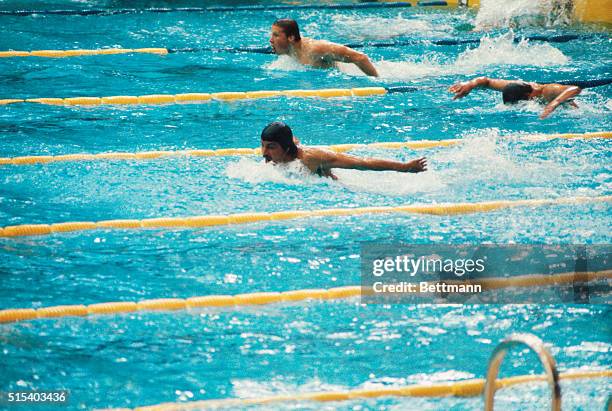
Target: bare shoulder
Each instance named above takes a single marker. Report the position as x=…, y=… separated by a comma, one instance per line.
x=315, y=158
x=553, y=86
x=322, y=46
x=315, y=153
x=552, y=90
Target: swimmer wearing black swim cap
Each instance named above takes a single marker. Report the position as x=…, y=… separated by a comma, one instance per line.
x=278, y=145
x=513, y=91
x=278, y=134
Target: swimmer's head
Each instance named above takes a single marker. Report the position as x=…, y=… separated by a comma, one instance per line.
x=285, y=32
x=514, y=92
x=277, y=143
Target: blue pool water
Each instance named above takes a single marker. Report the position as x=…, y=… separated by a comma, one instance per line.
x=147, y=358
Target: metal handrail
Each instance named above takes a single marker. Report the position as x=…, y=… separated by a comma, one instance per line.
x=537, y=346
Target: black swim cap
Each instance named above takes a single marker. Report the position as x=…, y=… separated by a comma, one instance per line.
x=514, y=92
x=280, y=133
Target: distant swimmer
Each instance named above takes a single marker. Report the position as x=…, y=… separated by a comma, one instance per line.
x=278, y=145
x=286, y=40
x=553, y=94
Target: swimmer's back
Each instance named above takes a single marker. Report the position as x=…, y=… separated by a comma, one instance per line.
x=553, y=90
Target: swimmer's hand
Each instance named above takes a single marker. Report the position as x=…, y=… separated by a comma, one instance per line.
x=461, y=89
x=415, y=166
x=546, y=112
x=567, y=94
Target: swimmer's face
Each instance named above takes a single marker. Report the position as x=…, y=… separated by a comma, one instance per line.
x=273, y=152
x=279, y=41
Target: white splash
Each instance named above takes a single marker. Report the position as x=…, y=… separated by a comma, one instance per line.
x=595, y=107
x=286, y=63
x=294, y=173
x=491, y=51
x=486, y=156
x=390, y=182
x=520, y=13
x=405, y=70
x=256, y=172
x=378, y=28
x=590, y=103
x=503, y=50
x=529, y=106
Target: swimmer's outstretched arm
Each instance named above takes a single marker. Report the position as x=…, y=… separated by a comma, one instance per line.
x=463, y=89
x=339, y=160
x=564, y=96
x=338, y=52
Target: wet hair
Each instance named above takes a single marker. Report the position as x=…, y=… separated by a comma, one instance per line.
x=514, y=92
x=290, y=28
x=280, y=133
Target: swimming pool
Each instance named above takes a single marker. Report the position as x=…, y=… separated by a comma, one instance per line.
x=147, y=358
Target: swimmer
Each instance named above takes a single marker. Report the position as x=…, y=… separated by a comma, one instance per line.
x=278, y=145
x=553, y=94
x=285, y=39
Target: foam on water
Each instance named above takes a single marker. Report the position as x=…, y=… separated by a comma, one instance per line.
x=597, y=105
x=529, y=106
x=378, y=28
x=484, y=158
x=390, y=182
x=503, y=50
x=488, y=159
x=492, y=51
x=480, y=158
x=593, y=107
x=256, y=172
x=294, y=173
x=519, y=13
x=285, y=63
x=404, y=70
x=589, y=102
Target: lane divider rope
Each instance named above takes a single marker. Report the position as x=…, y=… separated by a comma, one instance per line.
x=256, y=49
x=262, y=7
x=464, y=388
x=80, y=52
x=144, y=155
x=265, y=298
x=339, y=148
x=248, y=218
x=231, y=95
x=205, y=97
x=587, y=83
